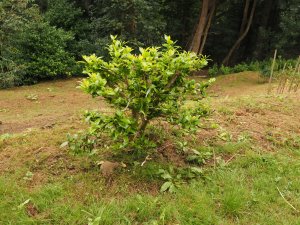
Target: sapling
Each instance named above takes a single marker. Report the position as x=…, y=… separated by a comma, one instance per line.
x=154, y=83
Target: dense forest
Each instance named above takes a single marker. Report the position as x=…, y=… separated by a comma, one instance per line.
x=45, y=38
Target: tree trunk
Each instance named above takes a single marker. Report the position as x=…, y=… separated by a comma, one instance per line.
x=196, y=42
x=241, y=37
x=243, y=25
x=245, y=17
x=142, y=126
x=211, y=14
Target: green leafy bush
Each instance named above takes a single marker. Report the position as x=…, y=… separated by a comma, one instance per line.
x=264, y=67
x=30, y=49
x=213, y=71
x=10, y=74
x=63, y=13
x=142, y=87
x=42, y=50
x=14, y=16
x=280, y=64
x=240, y=68
x=69, y=16
x=225, y=70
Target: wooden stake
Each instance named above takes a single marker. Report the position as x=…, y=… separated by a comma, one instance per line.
x=281, y=79
x=272, y=70
x=297, y=80
x=294, y=74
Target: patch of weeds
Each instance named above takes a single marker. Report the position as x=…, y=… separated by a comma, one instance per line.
x=209, y=124
x=32, y=97
x=171, y=181
x=194, y=155
x=280, y=140
x=252, y=105
x=89, y=143
x=182, y=146
x=225, y=111
x=147, y=172
x=214, y=125
x=224, y=135
x=199, y=157
x=175, y=177
x=5, y=136
x=141, y=147
x=81, y=143
x=244, y=137
x=23, y=204
x=5, y=139
x=157, y=133
x=177, y=133
x=95, y=219
x=28, y=176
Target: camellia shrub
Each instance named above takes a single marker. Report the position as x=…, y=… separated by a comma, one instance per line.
x=141, y=87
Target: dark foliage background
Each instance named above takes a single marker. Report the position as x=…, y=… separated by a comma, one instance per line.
x=43, y=39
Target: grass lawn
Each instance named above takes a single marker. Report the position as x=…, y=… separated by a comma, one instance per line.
x=251, y=177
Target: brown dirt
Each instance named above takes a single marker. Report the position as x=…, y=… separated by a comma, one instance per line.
x=57, y=101
x=168, y=152
x=261, y=122
x=31, y=210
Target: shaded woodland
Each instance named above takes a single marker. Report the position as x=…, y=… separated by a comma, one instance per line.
x=44, y=38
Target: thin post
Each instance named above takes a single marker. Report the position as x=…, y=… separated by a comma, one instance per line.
x=281, y=79
x=297, y=80
x=294, y=74
x=272, y=70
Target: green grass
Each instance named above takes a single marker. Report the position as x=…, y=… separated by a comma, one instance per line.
x=243, y=191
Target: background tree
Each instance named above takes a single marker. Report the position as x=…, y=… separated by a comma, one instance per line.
x=30, y=48
x=226, y=30
x=245, y=26
x=14, y=15
x=206, y=14
x=209, y=27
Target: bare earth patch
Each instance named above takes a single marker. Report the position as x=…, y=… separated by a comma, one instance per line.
x=55, y=102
